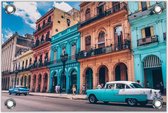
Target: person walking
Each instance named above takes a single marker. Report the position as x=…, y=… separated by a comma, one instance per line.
x=147, y=84
x=56, y=89
x=74, y=89
x=161, y=87
x=83, y=89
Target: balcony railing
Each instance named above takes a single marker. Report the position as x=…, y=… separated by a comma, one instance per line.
x=57, y=62
x=115, y=9
x=147, y=40
x=104, y=50
x=42, y=42
x=39, y=30
x=40, y=64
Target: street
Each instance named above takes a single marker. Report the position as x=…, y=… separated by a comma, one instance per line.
x=39, y=103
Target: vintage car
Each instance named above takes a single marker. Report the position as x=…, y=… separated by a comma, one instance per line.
x=17, y=90
x=123, y=91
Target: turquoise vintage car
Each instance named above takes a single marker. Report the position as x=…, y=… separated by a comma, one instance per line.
x=123, y=91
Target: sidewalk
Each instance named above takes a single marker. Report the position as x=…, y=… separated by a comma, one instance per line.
x=66, y=96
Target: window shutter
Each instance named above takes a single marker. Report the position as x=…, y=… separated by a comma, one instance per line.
x=152, y=31
x=143, y=33
x=139, y=6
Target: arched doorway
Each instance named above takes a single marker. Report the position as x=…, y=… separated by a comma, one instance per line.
x=73, y=79
x=152, y=72
x=89, y=78
x=34, y=83
x=39, y=83
x=25, y=81
x=29, y=81
x=103, y=75
x=63, y=82
x=121, y=72
x=54, y=81
x=45, y=82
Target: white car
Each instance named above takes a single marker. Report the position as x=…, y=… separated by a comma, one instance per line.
x=124, y=91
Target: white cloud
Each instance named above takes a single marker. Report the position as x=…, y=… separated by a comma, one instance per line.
x=7, y=34
x=28, y=11
x=63, y=6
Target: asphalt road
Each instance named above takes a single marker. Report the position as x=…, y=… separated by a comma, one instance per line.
x=44, y=104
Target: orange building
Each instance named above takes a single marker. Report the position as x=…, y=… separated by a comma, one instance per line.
x=105, y=43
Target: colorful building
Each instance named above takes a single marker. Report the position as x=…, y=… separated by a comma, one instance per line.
x=105, y=43
x=148, y=30
x=68, y=42
x=53, y=22
x=9, y=50
x=22, y=63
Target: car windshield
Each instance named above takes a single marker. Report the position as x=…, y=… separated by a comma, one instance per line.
x=135, y=85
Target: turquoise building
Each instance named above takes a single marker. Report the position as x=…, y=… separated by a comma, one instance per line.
x=68, y=42
x=148, y=32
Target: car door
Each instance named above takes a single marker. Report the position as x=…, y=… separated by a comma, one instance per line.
x=110, y=92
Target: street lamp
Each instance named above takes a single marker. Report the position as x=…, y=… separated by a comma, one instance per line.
x=64, y=58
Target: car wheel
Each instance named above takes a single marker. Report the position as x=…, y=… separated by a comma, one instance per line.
x=19, y=94
x=9, y=93
x=25, y=94
x=143, y=103
x=106, y=102
x=131, y=101
x=92, y=99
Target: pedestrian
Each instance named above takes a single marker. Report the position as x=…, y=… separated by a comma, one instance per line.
x=74, y=89
x=83, y=89
x=161, y=87
x=56, y=89
x=147, y=84
x=102, y=85
x=99, y=86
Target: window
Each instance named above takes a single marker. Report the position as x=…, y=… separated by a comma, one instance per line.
x=48, y=35
x=62, y=16
x=68, y=22
x=120, y=86
x=73, y=51
x=63, y=50
x=87, y=14
x=110, y=86
x=147, y=32
x=118, y=39
x=59, y=22
x=39, y=27
x=42, y=38
x=55, y=55
x=144, y=6
x=116, y=6
x=22, y=64
x=30, y=61
x=100, y=8
x=88, y=43
x=56, y=30
x=43, y=23
x=101, y=39
x=49, y=19
x=135, y=85
x=26, y=63
x=127, y=87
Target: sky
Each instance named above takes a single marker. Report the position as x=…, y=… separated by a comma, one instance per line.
x=26, y=14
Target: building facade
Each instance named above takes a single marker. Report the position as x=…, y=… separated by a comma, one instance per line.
x=9, y=50
x=22, y=64
x=65, y=42
x=148, y=30
x=53, y=22
x=105, y=43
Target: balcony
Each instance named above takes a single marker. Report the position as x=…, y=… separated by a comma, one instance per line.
x=148, y=40
x=40, y=64
x=104, y=50
x=115, y=9
x=58, y=62
x=44, y=27
x=41, y=42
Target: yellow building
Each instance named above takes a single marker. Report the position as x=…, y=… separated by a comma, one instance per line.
x=22, y=63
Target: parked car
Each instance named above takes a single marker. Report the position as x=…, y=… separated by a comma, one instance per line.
x=19, y=90
x=123, y=91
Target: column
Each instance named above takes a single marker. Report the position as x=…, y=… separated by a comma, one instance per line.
x=50, y=80
x=31, y=82
x=36, y=85
x=95, y=76
x=139, y=70
x=163, y=57
x=42, y=83
x=78, y=80
x=67, y=82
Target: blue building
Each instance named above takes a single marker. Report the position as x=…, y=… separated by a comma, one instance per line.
x=66, y=42
x=148, y=30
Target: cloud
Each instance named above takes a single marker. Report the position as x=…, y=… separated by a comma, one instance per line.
x=6, y=35
x=62, y=6
x=28, y=11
